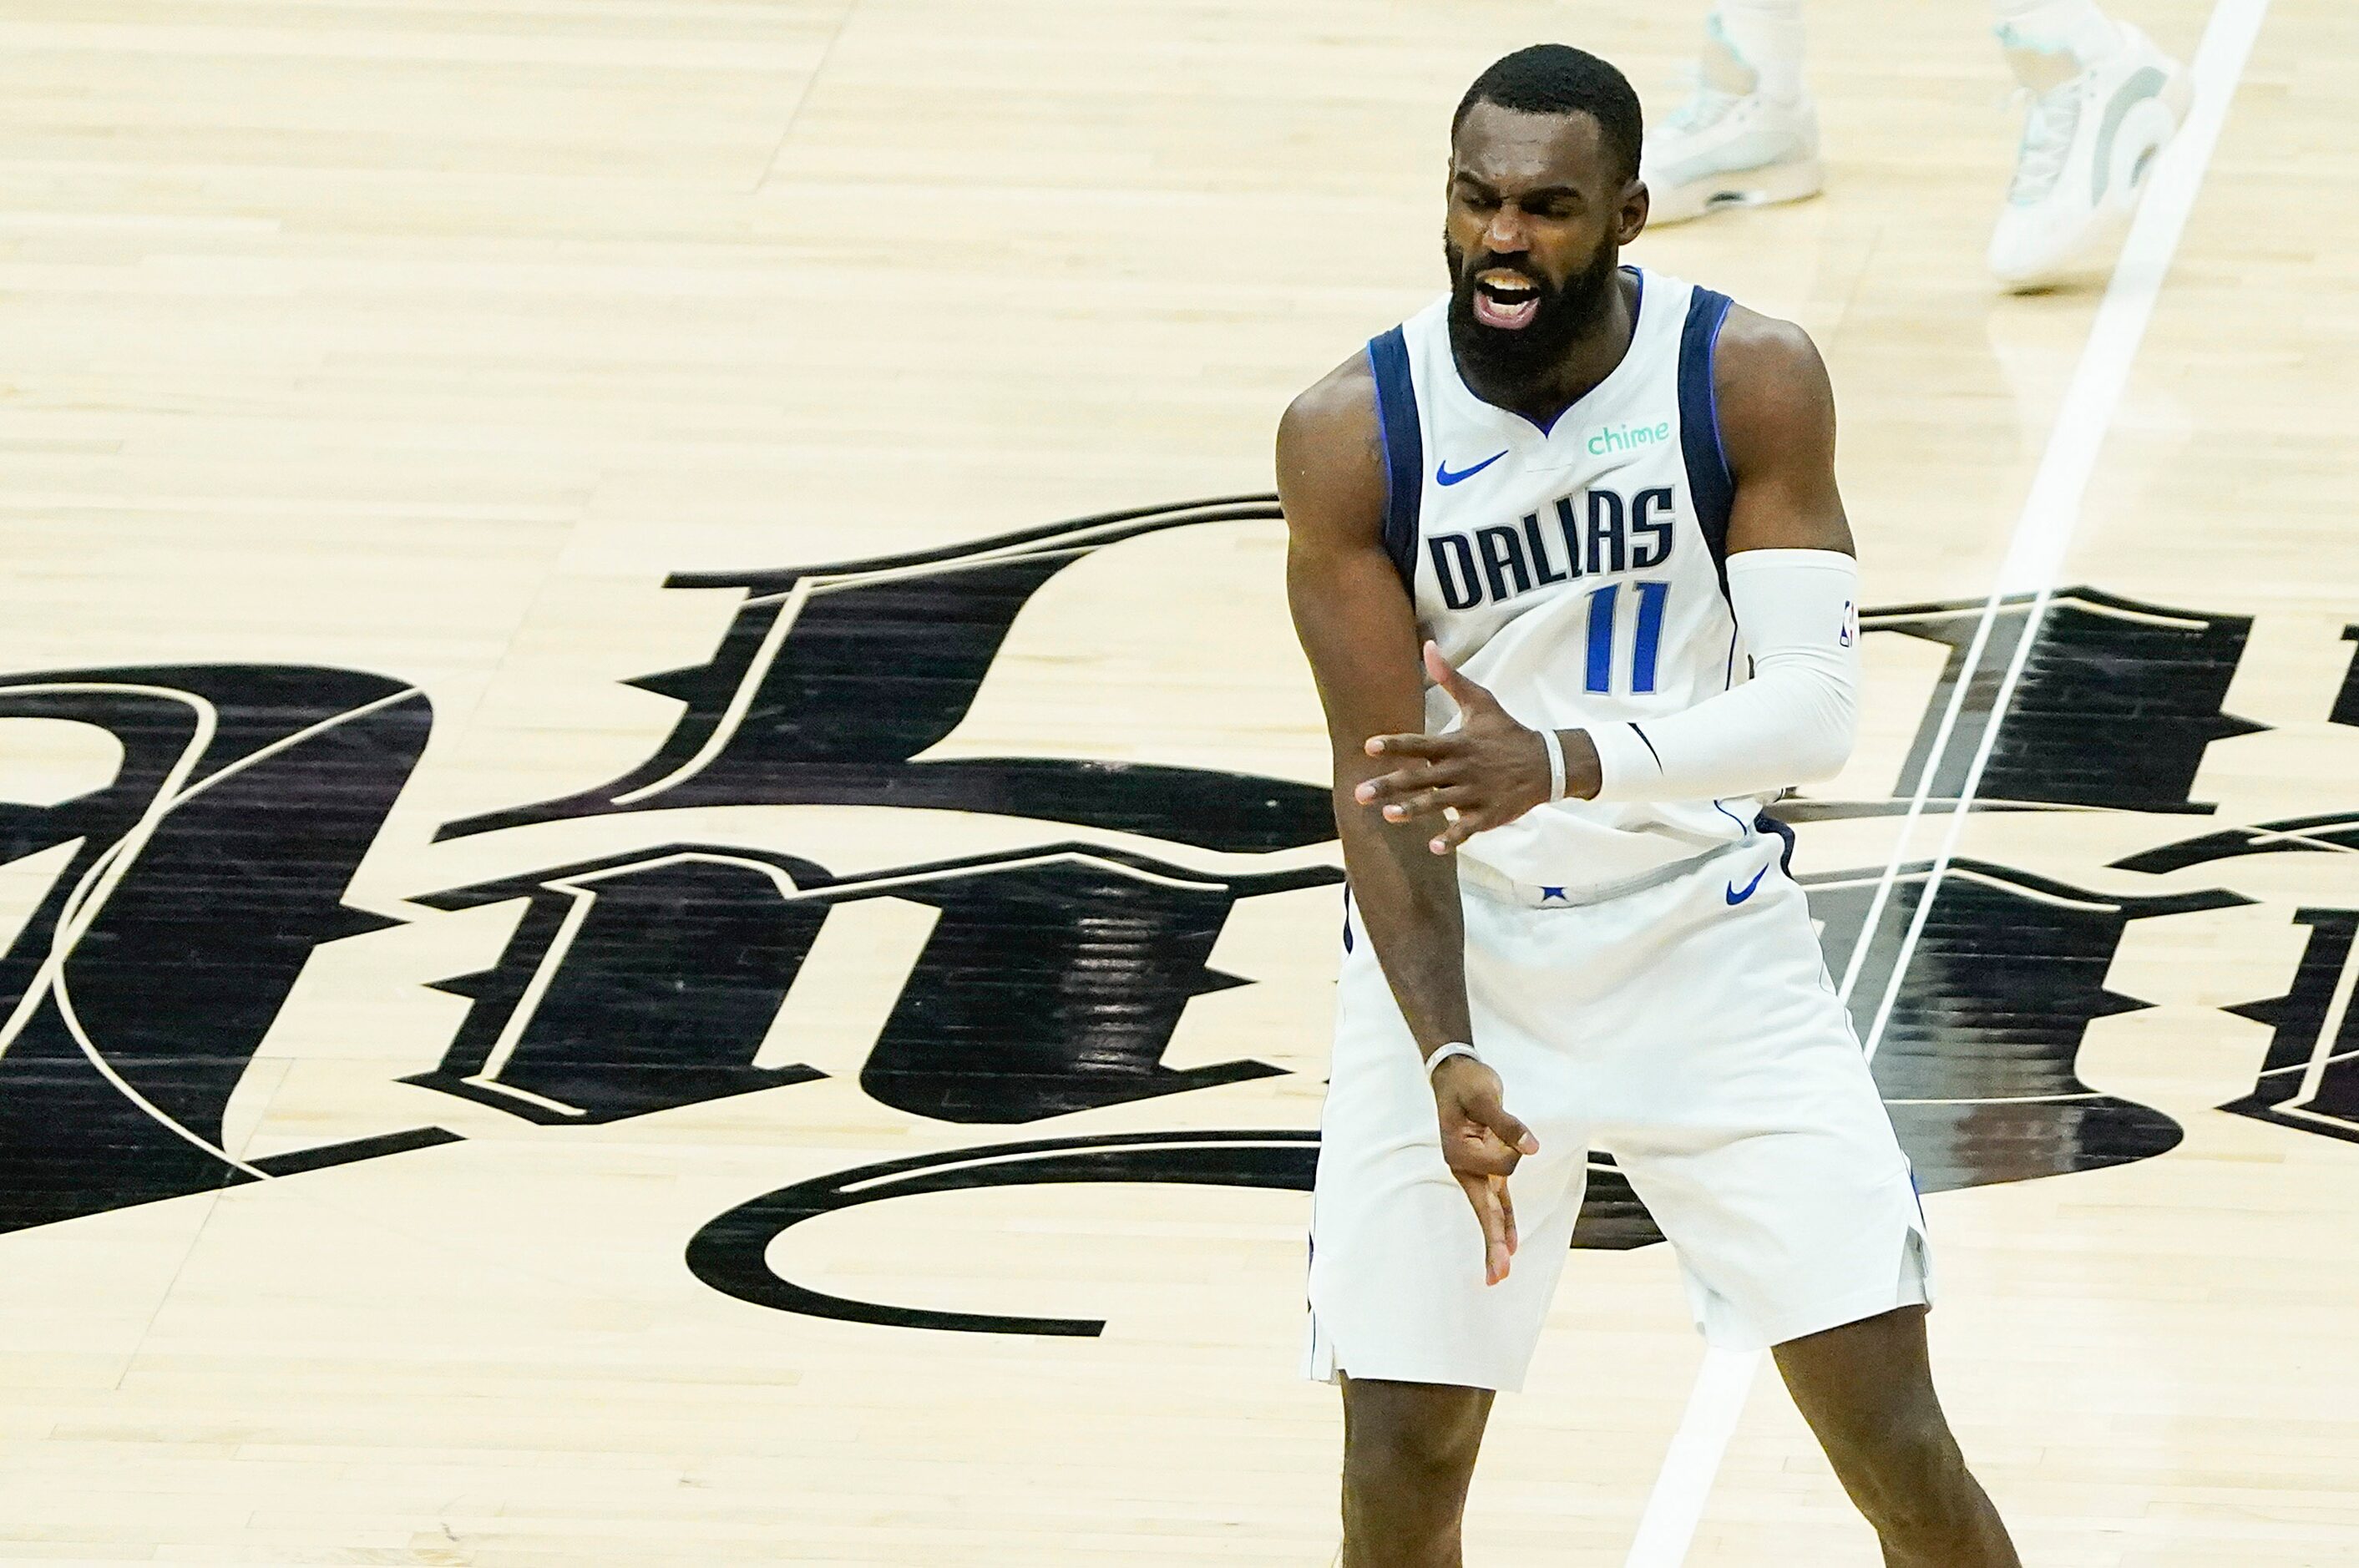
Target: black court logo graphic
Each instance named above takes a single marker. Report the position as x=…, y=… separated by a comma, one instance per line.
x=187, y=889
x=188, y=880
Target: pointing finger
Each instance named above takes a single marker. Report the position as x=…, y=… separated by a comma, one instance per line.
x=1425, y=803
x=1388, y=788
x=1430, y=748
x=1484, y=1193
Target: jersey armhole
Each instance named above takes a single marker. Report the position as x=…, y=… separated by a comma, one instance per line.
x=1403, y=444
x=1709, y=483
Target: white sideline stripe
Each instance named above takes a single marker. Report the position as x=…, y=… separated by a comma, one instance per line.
x=2043, y=534
x=1722, y=1386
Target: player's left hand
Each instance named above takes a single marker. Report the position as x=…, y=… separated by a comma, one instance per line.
x=1484, y=773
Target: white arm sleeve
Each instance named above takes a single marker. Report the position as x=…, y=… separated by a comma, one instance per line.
x=1792, y=723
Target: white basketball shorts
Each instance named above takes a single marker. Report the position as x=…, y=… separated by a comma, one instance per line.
x=1691, y=1030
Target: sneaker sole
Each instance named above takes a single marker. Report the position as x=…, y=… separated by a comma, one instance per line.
x=1793, y=180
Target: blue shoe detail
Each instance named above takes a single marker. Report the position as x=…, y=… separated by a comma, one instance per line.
x=1441, y=474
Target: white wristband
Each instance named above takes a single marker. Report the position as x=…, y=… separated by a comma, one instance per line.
x=1556, y=763
x=1443, y=1054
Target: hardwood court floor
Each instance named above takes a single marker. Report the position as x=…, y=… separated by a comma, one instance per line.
x=425, y=340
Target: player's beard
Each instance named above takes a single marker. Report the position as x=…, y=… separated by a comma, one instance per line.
x=1506, y=360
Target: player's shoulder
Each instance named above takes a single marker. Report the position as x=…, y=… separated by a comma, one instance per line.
x=1342, y=403
x=1771, y=387
x=1330, y=456
x=1762, y=353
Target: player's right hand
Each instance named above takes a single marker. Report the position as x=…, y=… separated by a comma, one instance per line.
x=1481, y=1143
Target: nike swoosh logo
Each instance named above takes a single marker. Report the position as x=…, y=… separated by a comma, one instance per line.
x=2140, y=86
x=1736, y=898
x=1441, y=474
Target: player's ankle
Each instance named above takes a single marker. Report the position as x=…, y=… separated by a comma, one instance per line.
x=2048, y=42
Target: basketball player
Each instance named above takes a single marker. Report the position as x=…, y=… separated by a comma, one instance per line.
x=2103, y=102
x=1599, y=495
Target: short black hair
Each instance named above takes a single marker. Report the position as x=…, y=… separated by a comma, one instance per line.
x=1557, y=79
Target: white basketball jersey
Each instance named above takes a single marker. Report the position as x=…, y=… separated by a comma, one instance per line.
x=1574, y=571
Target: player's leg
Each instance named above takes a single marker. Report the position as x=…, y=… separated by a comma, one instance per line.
x=1758, y=1141
x=1400, y=1312
x=2103, y=102
x=1408, y=1454
x=1867, y=1389
x=1749, y=133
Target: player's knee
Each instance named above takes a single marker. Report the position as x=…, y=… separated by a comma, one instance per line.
x=1906, y=1473
x=1403, y=1495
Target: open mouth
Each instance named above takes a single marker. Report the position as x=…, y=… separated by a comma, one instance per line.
x=1506, y=300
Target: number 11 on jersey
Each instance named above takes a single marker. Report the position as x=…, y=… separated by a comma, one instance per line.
x=1643, y=646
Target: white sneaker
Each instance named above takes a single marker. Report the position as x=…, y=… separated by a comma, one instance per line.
x=1726, y=148
x=2087, y=148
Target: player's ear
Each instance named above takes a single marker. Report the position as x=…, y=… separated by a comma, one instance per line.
x=1632, y=218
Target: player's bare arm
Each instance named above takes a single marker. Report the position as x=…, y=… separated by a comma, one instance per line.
x=1778, y=427
x=1359, y=631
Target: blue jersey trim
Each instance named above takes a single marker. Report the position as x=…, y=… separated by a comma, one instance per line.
x=1785, y=855
x=1709, y=484
x=1397, y=426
